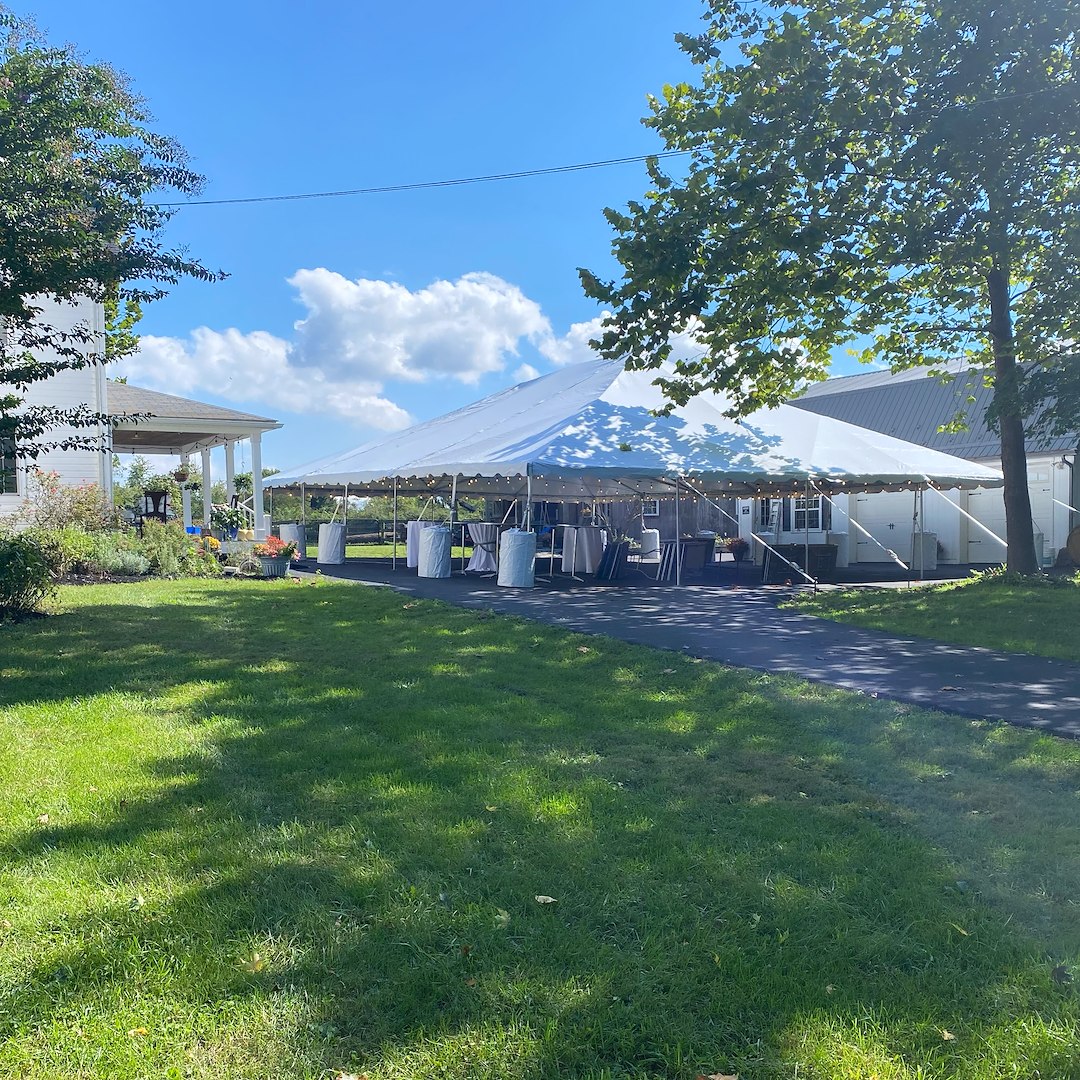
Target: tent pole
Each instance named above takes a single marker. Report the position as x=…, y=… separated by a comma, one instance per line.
x=528, y=499
x=922, y=529
x=303, y=514
x=678, y=538
x=394, y=559
x=345, y=517
x=915, y=526
x=453, y=504
x=806, y=530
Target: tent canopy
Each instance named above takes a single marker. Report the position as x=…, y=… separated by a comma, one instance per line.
x=590, y=431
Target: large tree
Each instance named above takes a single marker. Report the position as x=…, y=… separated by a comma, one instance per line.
x=79, y=169
x=904, y=172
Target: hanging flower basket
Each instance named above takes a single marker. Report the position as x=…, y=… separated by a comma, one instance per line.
x=181, y=475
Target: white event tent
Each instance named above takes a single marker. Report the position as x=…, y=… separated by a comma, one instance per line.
x=591, y=432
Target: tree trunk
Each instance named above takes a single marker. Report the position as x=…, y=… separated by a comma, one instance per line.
x=1019, y=534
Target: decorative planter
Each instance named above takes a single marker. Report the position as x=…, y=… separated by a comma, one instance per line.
x=273, y=565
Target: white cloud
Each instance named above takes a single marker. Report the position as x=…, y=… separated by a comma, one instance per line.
x=526, y=373
x=353, y=339
x=573, y=347
x=381, y=330
x=256, y=367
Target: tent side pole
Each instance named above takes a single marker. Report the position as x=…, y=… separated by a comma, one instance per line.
x=806, y=529
x=916, y=524
x=922, y=529
x=394, y=560
x=453, y=506
x=678, y=538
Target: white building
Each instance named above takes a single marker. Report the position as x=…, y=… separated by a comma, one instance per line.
x=968, y=527
x=165, y=424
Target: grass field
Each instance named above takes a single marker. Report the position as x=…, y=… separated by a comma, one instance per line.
x=272, y=829
x=1043, y=619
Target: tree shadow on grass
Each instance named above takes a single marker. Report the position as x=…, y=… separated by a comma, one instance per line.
x=384, y=789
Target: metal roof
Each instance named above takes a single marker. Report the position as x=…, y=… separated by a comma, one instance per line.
x=912, y=405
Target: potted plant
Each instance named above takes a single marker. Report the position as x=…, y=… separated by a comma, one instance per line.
x=181, y=474
x=274, y=556
x=738, y=547
x=227, y=519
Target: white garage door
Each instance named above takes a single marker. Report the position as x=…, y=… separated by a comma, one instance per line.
x=887, y=517
x=988, y=507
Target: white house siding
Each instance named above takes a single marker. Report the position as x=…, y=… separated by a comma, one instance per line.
x=887, y=517
x=66, y=389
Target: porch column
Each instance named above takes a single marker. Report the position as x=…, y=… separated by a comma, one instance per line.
x=205, y=454
x=185, y=495
x=230, y=471
x=261, y=530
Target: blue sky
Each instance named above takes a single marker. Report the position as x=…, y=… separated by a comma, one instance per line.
x=346, y=317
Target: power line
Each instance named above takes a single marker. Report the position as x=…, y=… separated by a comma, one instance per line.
x=550, y=171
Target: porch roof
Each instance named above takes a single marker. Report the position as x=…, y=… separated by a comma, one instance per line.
x=175, y=425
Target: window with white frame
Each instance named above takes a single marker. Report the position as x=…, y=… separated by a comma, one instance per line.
x=807, y=514
x=650, y=507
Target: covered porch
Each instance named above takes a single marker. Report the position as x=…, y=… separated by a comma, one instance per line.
x=193, y=431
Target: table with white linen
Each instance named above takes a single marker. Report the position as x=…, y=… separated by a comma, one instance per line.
x=412, y=540
x=583, y=547
x=485, y=537
x=434, y=555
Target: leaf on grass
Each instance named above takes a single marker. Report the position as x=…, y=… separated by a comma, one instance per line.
x=541, y=899
x=411, y=604
x=668, y=671
x=718, y=1076
x=583, y=649
x=502, y=919
x=136, y=902
x=1061, y=975
x=470, y=982
x=138, y=1031
x=43, y=819
x=465, y=950
x=491, y=809
x=350, y=1076
x=947, y=1036
x=254, y=965
x=830, y=989
x=959, y=929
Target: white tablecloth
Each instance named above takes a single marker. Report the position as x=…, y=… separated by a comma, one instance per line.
x=583, y=547
x=332, y=543
x=412, y=540
x=485, y=536
x=434, y=554
x=517, y=556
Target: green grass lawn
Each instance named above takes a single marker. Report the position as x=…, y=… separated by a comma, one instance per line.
x=272, y=829
x=1043, y=619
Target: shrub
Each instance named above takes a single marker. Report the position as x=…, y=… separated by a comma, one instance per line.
x=26, y=577
x=172, y=553
x=53, y=505
x=118, y=553
x=68, y=551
